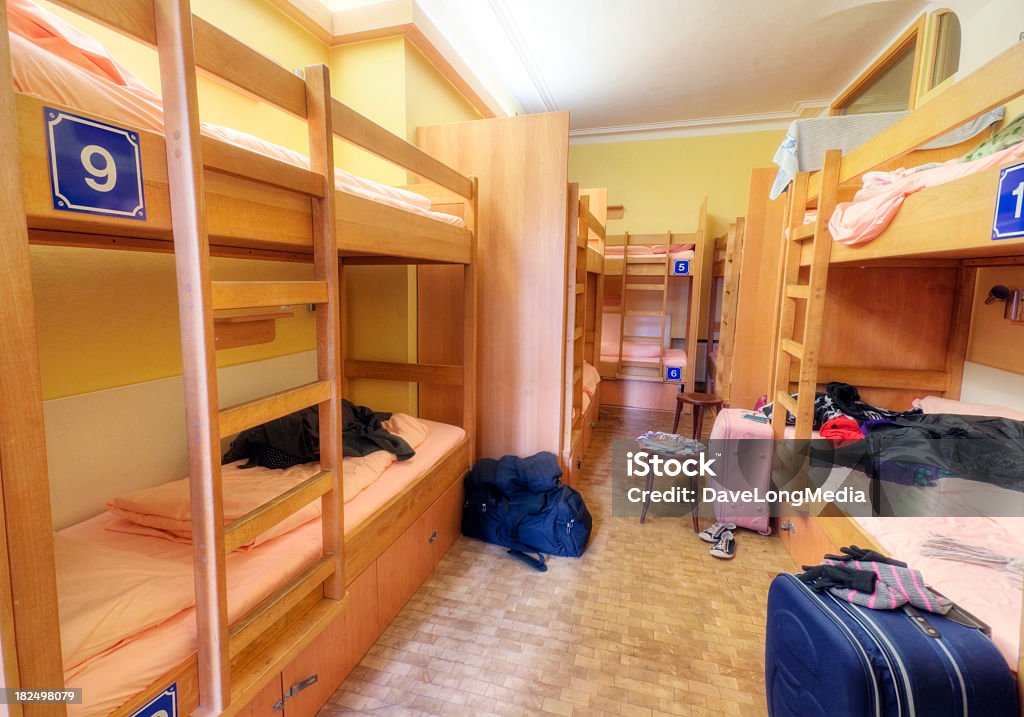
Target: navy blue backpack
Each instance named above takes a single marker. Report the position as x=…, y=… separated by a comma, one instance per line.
x=521, y=504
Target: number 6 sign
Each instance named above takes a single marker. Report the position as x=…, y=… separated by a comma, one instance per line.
x=95, y=167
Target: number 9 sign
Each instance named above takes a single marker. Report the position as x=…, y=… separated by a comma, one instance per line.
x=95, y=167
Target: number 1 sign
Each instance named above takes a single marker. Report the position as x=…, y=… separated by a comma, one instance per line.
x=94, y=167
x=1009, y=219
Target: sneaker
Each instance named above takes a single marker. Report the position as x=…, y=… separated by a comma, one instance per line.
x=712, y=533
x=725, y=548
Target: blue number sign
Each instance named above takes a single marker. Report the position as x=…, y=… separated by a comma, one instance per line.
x=94, y=167
x=164, y=704
x=1009, y=219
x=681, y=267
x=673, y=373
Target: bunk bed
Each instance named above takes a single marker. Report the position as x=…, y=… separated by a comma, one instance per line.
x=911, y=288
x=645, y=276
x=726, y=263
x=255, y=623
x=584, y=262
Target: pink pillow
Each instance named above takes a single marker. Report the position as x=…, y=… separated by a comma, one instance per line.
x=935, y=404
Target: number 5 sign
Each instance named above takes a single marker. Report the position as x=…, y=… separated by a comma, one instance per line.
x=94, y=167
x=1009, y=218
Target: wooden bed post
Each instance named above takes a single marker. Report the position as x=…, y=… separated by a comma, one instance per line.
x=328, y=319
x=960, y=330
x=176, y=51
x=469, y=328
x=30, y=639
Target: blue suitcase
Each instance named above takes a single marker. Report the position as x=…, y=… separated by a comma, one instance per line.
x=827, y=656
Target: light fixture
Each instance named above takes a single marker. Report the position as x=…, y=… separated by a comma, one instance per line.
x=1011, y=299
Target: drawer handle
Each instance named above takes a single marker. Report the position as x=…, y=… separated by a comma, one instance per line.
x=787, y=525
x=433, y=537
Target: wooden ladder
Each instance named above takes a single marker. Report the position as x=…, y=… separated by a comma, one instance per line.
x=730, y=299
x=318, y=589
x=804, y=353
x=641, y=283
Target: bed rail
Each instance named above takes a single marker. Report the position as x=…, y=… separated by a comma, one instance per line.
x=223, y=56
x=994, y=84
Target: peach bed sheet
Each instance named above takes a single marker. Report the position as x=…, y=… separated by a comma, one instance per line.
x=993, y=596
x=56, y=62
x=126, y=669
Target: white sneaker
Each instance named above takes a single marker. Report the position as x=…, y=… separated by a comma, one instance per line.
x=712, y=533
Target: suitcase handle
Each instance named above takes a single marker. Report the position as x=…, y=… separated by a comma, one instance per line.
x=918, y=619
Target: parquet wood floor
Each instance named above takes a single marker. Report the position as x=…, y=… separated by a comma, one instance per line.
x=645, y=623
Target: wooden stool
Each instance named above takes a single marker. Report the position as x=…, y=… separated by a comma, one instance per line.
x=699, y=401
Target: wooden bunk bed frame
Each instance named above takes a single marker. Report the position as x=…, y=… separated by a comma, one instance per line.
x=946, y=228
x=726, y=264
x=630, y=375
x=230, y=201
x=586, y=235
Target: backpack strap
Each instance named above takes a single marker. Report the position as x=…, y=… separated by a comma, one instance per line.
x=521, y=552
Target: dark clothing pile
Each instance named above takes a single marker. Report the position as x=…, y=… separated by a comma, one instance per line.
x=916, y=448
x=295, y=438
x=841, y=400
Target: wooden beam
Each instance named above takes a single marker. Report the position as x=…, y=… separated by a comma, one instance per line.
x=410, y=372
x=253, y=413
x=881, y=377
x=173, y=32
x=357, y=129
x=30, y=637
x=264, y=615
x=266, y=516
x=253, y=294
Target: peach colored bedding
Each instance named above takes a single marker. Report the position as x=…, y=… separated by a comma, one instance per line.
x=54, y=61
x=125, y=669
x=993, y=596
x=873, y=208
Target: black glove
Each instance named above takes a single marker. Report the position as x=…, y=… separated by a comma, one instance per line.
x=864, y=556
x=823, y=577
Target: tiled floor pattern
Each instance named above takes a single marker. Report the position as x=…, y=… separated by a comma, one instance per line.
x=645, y=623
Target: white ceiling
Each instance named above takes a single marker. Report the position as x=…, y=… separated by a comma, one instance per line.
x=655, y=64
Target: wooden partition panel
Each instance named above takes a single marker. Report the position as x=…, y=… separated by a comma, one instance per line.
x=522, y=166
x=758, y=286
x=891, y=318
x=440, y=338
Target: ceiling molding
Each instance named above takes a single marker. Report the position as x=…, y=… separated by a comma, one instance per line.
x=759, y=122
x=522, y=50
x=312, y=15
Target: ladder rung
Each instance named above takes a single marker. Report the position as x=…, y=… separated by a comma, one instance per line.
x=646, y=287
x=253, y=413
x=577, y=376
x=803, y=232
x=798, y=291
x=659, y=314
x=261, y=519
x=253, y=294
x=263, y=616
x=579, y=288
x=786, y=401
x=641, y=362
x=644, y=339
x=792, y=348
x=578, y=334
x=647, y=259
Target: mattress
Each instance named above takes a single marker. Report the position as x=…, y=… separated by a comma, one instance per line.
x=56, y=62
x=128, y=668
x=991, y=595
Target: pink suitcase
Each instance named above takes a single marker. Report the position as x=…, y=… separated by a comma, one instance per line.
x=743, y=465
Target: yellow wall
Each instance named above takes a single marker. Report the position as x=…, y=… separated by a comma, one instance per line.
x=661, y=183
x=109, y=318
